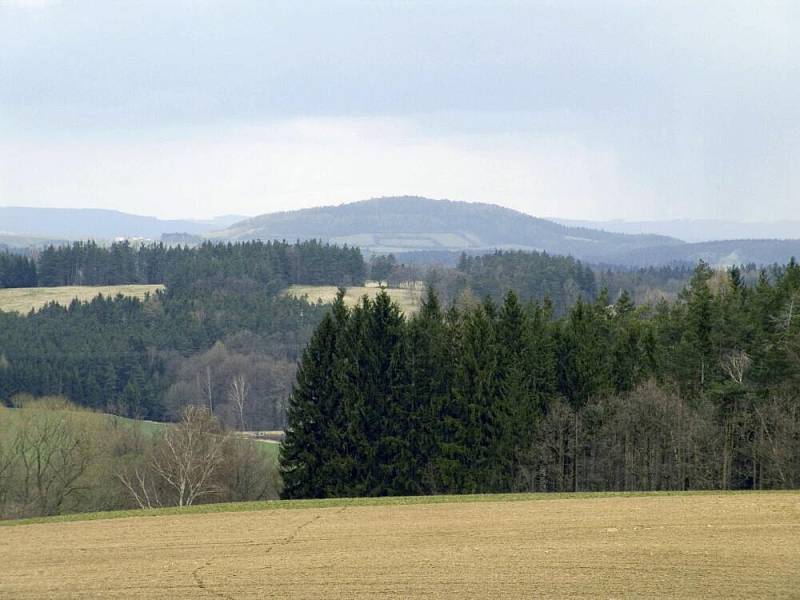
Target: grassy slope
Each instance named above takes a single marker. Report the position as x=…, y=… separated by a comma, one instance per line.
x=10, y=416
x=23, y=300
x=344, y=502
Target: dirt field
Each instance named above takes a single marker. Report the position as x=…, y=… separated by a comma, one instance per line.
x=24, y=299
x=723, y=546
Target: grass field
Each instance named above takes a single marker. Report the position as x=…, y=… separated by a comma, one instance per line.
x=407, y=298
x=9, y=416
x=23, y=300
x=605, y=545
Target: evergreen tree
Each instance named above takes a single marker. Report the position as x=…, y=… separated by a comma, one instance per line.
x=315, y=413
x=475, y=388
x=428, y=392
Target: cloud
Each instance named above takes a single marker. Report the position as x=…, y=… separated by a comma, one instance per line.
x=296, y=163
x=568, y=109
x=29, y=4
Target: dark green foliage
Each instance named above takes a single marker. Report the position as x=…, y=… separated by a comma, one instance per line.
x=490, y=398
x=271, y=264
x=17, y=271
x=531, y=275
x=122, y=355
x=315, y=414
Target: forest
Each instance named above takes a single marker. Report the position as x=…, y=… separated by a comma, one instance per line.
x=700, y=393
x=275, y=264
x=221, y=318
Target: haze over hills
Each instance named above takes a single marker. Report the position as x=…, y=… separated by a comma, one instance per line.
x=696, y=230
x=410, y=223
x=91, y=223
x=418, y=229
x=407, y=225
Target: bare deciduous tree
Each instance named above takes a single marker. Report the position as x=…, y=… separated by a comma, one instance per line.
x=7, y=463
x=141, y=489
x=238, y=396
x=188, y=455
x=53, y=454
x=735, y=365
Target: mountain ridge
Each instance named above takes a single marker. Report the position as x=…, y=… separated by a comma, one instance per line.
x=695, y=230
x=403, y=223
x=97, y=223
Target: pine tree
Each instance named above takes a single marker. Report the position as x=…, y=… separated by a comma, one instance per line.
x=514, y=408
x=428, y=391
x=700, y=323
x=475, y=388
x=307, y=456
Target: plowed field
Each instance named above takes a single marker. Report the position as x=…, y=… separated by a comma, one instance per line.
x=687, y=546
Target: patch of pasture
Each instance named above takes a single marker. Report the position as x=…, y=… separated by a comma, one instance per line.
x=23, y=300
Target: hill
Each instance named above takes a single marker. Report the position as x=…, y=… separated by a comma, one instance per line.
x=402, y=224
x=100, y=224
x=421, y=230
x=717, y=545
x=23, y=243
x=10, y=417
x=696, y=230
x=717, y=253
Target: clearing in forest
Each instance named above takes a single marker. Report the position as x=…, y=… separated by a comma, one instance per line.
x=531, y=546
x=23, y=300
x=408, y=298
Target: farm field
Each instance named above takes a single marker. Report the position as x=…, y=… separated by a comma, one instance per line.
x=650, y=545
x=407, y=298
x=23, y=300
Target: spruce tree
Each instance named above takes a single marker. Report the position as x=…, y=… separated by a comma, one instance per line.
x=314, y=413
x=514, y=409
x=429, y=370
x=475, y=388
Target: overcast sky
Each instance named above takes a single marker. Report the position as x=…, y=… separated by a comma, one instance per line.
x=594, y=110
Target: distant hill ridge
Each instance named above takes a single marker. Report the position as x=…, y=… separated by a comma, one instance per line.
x=698, y=230
x=415, y=228
x=96, y=223
x=409, y=223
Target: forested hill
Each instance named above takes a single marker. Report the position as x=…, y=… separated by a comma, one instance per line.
x=78, y=223
x=220, y=319
x=724, y=252
x=399, y=224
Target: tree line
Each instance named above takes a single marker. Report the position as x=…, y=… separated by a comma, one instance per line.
x=701, y=393
x=534, y=276
x=277, y=264
x=17, y=271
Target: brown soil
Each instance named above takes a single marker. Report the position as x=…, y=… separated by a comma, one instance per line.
x=723, y=546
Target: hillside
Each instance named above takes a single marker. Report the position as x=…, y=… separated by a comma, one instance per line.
x=719, y=253
x=718, y=545
x=696, y=230
x=76, y=223
x=402, y=224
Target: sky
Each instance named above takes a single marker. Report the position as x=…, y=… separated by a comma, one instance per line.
x=582, y=110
